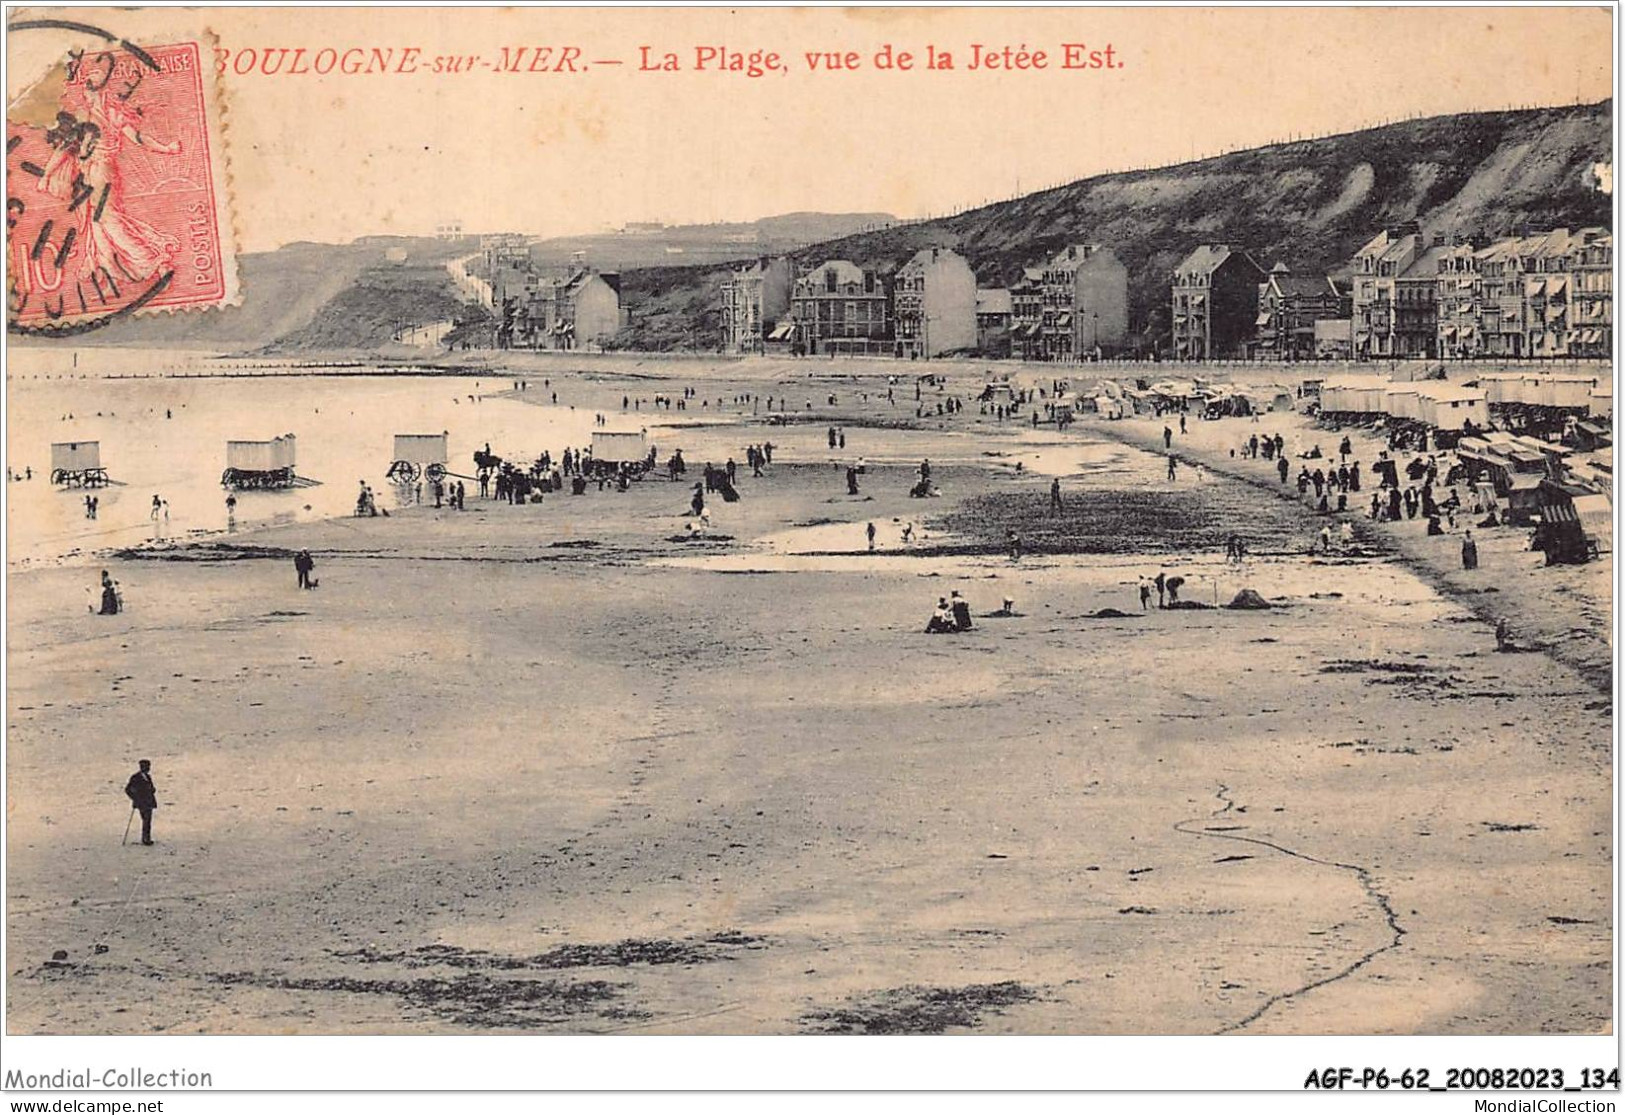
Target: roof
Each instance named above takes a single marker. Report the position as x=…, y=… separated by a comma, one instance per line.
x=927, y=256
x=1449, y=392
x=1542, y=447
x=845, y=272
x=1426, y=263
x=1208, y=258
x=1073, y=256
x=1377, y=245
x=995, y=300
x=1555, y=242
x=1300, y=286
x=1354, y=382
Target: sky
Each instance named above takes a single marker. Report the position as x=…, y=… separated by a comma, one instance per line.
x=330, y=158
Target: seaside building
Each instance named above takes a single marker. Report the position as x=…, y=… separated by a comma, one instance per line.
x=1456, y=301
x=934, y=304
x=1090, y=291
x=755, y=300
x=1591, y=265
x=1542, y=295
x=1395, y=278
x=1072, y=305
x=1215, y=303
x=994, y=314
x=1027, y=315
x=1288, y=307
x=577, y=310
x=841, y=307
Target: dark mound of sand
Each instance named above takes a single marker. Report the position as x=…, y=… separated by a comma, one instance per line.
x=1109, y=613
x=1249, y=600
x=1191, y=606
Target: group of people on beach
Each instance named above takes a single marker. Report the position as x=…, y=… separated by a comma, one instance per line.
x=1401, y=494
x=159, y=514
x=366, y=502
x=1166, y=587
x=952, y=615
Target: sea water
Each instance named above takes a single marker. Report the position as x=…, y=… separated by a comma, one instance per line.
x=167, y=437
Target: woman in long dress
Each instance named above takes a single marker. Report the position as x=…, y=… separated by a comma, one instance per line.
x=115, y=243
x=109, y=595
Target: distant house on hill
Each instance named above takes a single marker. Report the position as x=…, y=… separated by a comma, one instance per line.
x=1215, y=303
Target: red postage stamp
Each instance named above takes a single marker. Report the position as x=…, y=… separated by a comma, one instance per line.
x=115, y=201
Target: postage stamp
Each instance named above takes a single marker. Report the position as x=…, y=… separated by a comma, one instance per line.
x=116, y=193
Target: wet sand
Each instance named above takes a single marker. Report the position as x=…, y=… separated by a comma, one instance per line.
x=545, y=769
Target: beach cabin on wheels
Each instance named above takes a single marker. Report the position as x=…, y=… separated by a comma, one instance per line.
x=1514, y=466
x=260, y=464
x=1576, y=524
x=417, y=456
x=77, y=462
x=611, y=450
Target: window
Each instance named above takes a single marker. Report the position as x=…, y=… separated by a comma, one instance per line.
x=829, y=281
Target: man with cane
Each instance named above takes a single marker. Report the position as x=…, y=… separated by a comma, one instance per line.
x=143, y=797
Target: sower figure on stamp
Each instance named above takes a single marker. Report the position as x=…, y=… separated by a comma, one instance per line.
x=143, y=796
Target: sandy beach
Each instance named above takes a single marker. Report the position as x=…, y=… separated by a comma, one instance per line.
x=564, y=768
